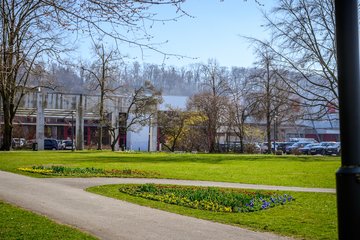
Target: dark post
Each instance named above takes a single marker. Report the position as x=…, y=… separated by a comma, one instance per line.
x=275, y=118
x=149, y=140
x=348, y=176
x=72, y=130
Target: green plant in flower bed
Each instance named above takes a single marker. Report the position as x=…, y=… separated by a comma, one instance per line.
x=87, y=172
x=210, y=198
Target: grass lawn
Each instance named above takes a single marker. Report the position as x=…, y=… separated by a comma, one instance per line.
x=16, y=223
x=302, y=171
x=310, y=216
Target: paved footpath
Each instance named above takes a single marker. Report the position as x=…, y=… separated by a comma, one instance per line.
x=65, y=201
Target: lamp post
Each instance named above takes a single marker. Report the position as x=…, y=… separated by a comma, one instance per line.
x=348, y=175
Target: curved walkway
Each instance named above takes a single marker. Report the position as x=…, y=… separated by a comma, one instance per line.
x=89, y=182
x=64, y=200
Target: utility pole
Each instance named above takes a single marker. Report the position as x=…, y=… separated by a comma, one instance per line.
x=348, y=176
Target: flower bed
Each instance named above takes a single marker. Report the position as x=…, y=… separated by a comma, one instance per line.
x=87, y=172
x=209, y=198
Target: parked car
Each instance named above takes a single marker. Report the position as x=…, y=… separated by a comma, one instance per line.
x=282, y=146
x=333, y=149
x=264, y=147
x=303, y=140
x=50, y=144
x=61, y=144
x=306, y=149
x=68, y=145
x=18, y=142
x=320, y=148
x=294, y=147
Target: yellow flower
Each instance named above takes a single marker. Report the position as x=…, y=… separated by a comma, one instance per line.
x=44, y=171
x=227, y=209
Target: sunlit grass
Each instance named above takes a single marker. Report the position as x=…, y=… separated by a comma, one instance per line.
x=302, y=171
x=17, y=223
x=310, y=216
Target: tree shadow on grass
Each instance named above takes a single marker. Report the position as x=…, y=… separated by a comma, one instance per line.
x=111, y=157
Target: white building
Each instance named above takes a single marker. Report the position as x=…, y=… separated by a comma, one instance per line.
x=146, y=138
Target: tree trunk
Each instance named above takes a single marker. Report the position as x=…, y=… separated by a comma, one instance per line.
x=8, y=127
x=101, y=113
x=241, y=138
x=268, y=133
x=268, y=106
x=212, y=141
x=100, y=136
x=7, y=136
x=113, y=143
x=175, y=140
x=169, y=148
x=116, y=139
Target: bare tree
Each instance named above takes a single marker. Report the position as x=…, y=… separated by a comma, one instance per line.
x=141, y=107
x=102, y=76
x=35, y=29
x=269, y=96
x=213, y=99
x=241, y=105
x=303, y=40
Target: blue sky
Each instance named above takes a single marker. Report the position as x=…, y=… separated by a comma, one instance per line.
x=213, y=33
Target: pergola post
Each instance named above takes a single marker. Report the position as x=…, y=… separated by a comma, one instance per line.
x=40, y=120
x=348, y=176
x=79, y=127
